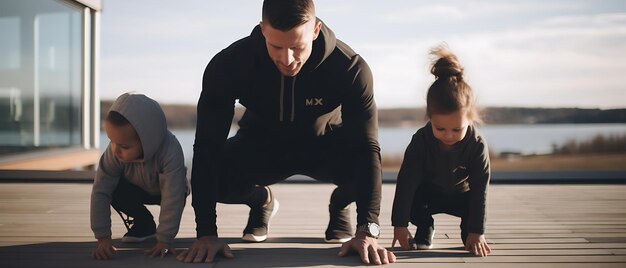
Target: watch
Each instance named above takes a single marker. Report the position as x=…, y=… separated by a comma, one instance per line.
x=371, y=229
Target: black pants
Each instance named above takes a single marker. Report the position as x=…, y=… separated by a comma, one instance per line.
x=429, y=201
x=131, y=200
x=251, y=161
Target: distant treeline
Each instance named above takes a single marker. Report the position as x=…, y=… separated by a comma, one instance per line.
x=505, y=115
x=184, y=116
x=605, y=144
x=512, y=115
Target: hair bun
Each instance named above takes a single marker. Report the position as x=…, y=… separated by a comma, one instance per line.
x=445, y=63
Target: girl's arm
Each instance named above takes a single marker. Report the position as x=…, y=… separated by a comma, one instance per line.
x=480, y=175
x=409, y=178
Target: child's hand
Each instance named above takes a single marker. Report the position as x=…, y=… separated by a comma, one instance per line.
x=161, y=249
x=477, y=244
x=105, y=249
x=403, y=236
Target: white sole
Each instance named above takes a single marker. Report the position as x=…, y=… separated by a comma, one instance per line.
x=424, y=247
x=261, y=238
x=337, y=240
x=254, y=238
x=132, y=239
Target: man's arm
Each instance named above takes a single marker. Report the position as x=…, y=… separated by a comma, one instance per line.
x=214, y=117
x=360, y=120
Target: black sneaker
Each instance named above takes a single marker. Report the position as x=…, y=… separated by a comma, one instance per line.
x=259, y=220
x=339, y=227
x=138, y=230
x=424, y=238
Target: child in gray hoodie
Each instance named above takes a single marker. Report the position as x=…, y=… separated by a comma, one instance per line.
x=143, y=164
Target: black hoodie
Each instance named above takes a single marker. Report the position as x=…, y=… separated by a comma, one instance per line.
x=334, y=89
x=465, y=168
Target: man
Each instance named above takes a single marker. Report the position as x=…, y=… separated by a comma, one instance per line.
x=309, y=110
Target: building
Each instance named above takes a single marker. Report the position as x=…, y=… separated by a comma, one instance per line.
x=49, y=103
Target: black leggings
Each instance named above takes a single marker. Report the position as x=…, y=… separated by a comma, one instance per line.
x=131, y=200
x=429, y=201
x=252, y=161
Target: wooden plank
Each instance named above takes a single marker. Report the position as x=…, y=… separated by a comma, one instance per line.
x=47, y=225
x=590, y=259
x=64, y=159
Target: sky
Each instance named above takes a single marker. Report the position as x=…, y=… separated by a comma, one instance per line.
x=555, y=53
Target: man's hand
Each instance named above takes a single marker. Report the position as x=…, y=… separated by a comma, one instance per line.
x=105, y=249
x=403, y=236
x=161, y=249
x=477, y=244
x=367, y=246
x=204, y=250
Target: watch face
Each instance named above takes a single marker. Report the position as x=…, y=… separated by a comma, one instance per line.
x=374, y=229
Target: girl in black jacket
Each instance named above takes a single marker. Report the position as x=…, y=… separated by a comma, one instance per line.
x=446, y=165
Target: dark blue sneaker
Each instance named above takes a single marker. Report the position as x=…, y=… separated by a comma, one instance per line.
x=139, y=230
x=259, y=220
x=339, y=227
x=424, y=237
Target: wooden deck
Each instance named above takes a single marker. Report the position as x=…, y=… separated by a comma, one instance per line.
x=54, y=159
x=47, y=225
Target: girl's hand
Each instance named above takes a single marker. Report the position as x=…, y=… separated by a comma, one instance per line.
x=105, y=249
x=161, y=249
x=403, y=236
x=477, y=244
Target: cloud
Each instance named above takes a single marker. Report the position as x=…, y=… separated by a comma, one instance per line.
x=425, y=14
x=587, y=21
x=169, y=78
x=528, y=53
x=552, y=65
x=396, y=73
x=457, y=11
x=560, y=61
x=170, y=26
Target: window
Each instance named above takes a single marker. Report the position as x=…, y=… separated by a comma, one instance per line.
x=43, y=82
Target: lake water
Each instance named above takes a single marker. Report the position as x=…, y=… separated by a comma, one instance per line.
x=525, y=139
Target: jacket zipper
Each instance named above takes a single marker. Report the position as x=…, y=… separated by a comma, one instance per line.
x=282, y=97
x=293, y=99
x=281, y=116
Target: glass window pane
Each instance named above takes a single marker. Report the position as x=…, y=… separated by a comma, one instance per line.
x=10, y=45
x=40, y=75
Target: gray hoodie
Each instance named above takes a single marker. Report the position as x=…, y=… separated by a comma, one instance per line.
x=161, y=171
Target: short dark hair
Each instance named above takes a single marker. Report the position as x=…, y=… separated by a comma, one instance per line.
x=117, y=119
x=284, y=15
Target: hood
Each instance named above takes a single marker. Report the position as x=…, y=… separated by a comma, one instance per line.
x=323, y=46
x=146, y=116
